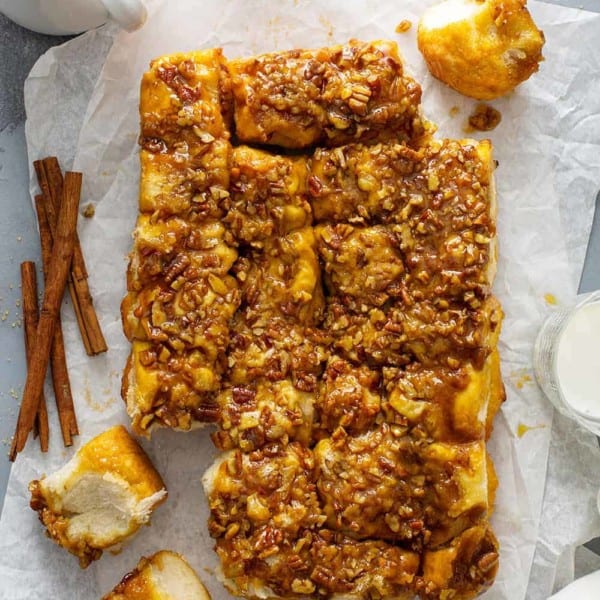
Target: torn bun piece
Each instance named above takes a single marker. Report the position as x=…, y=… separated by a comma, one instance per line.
x=165, y=575
x=101, y=497
x=480, y=48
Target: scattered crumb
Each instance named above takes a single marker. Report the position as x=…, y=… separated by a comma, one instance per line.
x=454, y=111
x=403, y=26
x=522, y=429
x=17, y=303
x=520, y=378
x=13, y=393
x=89, y=211
x=87, y=394
x=94, y=404
x=326, y=23
x=19, y=238
x=484, y=118
x=5, y=315
x=550, y=299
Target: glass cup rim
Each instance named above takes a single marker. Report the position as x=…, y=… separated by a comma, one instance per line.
x=583, y=300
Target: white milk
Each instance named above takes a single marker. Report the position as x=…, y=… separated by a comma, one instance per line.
x=578, y=361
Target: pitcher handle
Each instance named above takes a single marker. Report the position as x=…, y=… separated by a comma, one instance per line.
x=129, y=14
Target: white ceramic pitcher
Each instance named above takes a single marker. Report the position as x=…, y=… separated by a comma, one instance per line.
x=61, y=17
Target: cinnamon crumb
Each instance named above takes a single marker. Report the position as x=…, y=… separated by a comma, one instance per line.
x=484, y=118
x=454, y=111
x=403, y=26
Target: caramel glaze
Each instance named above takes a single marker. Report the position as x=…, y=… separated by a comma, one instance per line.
x=337, y=306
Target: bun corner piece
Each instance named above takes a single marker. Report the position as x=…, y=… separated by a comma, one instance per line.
x=480, y=48
x=101, y=497
x=163, y=576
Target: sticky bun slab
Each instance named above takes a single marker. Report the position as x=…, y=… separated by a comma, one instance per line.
x=331, y=96
x=311, y=274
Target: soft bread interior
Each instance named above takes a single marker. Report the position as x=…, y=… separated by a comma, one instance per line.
x=174, y=579
x=99, y=506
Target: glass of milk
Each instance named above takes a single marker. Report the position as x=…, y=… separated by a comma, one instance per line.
x=566, y=360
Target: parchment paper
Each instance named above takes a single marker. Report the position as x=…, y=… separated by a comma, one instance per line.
x=548, y=147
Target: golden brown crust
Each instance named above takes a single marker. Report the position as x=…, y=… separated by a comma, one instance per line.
x=350, y=397
x=387, y=484
x=185, y=90
x=135, y=585
x=465, y=568
x=363, y=265
x=268, y=195
x=421, y=333
x=262, y=412
x=441, y=403
x=435, y=203
x=165, y=250
x=167, y=389
x=115, y=456
x=330, y=96
x=332, y=315
x=362, y=184
x=283, y=280
x=267, y=520
x=115, y=451
x=154, y=575
x=485, y=54
x=181, y=297
x=277, y=350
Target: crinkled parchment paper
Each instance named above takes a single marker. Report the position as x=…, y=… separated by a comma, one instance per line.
x=548, y=148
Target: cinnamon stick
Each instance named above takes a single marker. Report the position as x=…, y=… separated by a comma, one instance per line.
x=52, y=175
x=58, y=272
x=60, y=375
x=51, y=181
x=30, y=320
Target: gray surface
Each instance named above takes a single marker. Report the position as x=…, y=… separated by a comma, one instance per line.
x=18, y=242
x=19, y=49
x=18, y=238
